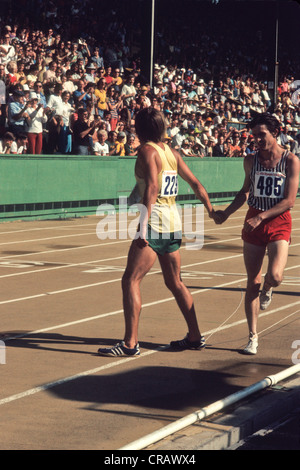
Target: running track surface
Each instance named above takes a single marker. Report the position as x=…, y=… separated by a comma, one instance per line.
x=61, y=300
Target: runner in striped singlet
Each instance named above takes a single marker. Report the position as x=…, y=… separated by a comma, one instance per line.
x=159, y=233
x=270, y=188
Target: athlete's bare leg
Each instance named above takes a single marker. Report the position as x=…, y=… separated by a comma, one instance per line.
x=171, y=265
x=278, y=255
x=253, y=258
x=139, y=263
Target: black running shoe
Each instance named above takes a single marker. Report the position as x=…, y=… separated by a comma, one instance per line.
x=185, y=343
x=119, y=350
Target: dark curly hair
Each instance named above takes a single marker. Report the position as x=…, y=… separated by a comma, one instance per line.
x=267, y=119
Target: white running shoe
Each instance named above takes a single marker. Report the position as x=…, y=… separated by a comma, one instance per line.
x=252, y=345
x=265, y=298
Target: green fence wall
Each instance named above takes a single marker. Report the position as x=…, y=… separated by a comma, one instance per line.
x=69, y=186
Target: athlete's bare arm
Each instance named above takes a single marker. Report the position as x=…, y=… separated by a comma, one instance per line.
x=241, y=196
x=190, y=178
x=147, y=168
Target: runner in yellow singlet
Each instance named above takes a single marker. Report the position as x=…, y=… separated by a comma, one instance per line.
x=159, y=233
x=164, y=224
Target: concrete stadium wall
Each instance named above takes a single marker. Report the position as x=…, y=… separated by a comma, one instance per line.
x=56, y=186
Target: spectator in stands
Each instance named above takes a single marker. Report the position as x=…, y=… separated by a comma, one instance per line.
x=21, y=77
x=65, y=133
x=11, y=76
x=120, y=144
x=6, y=143
x=144, y=98
x=108, y=77
x=100, y=93
x=17, y=113
x=251, y=148
x=7, y=51
x=82, y=131
x=295, y=145
x=296, y=120
x=285, y=137
x=234, y=147
x=49, y=75
x=3, y=93
x=68, y=84
x=128, y=90
x=38, y=88
x=208, y=148
x=219, y=149
x=100, y=147
x=114, y=104
x=179, y=138
x=54, y=102
x=97, y=59
x=82, y=94
x=112, y=142
x=90, y=73
x=197, y=150
x=130, y=149
x=63, y=59
x=34, y=124
x=186, y=149
x=121, y=127
x=117, y=81
x=20, y=145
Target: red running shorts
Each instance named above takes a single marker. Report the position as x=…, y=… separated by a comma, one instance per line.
x=270, y=230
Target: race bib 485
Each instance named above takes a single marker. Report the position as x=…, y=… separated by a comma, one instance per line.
x=269, y=184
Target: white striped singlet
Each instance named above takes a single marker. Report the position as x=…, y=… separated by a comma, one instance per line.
x=267, y=185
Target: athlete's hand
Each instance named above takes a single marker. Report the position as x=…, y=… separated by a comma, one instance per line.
x=141, y=242
x=252, y=223
x=140, y=237
x=219, y=217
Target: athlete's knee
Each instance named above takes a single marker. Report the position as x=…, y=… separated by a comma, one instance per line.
x=253, y=288
x=274, y=278
x=127, y=280
x=173, y=284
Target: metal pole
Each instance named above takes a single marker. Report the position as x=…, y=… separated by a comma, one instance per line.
x=211, y=409
x=152, y=43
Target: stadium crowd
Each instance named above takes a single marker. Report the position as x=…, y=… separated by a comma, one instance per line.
x=67, y=94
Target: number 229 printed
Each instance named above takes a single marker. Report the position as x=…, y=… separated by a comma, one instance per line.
x=169, y=185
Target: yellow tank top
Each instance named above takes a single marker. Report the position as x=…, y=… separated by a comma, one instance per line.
x=164, y=216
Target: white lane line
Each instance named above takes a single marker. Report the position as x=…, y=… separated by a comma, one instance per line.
x=85, y=286
x=78, y=264
x=61, y=250
x=57, y=227
x=72, y=227
x=48, y=238
x=92, y=233
x=97, y=244
x=49, y=385
x=113, y=280
x=149, y=304
x=111, y=365
x=122, y=361
x=62, y=266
